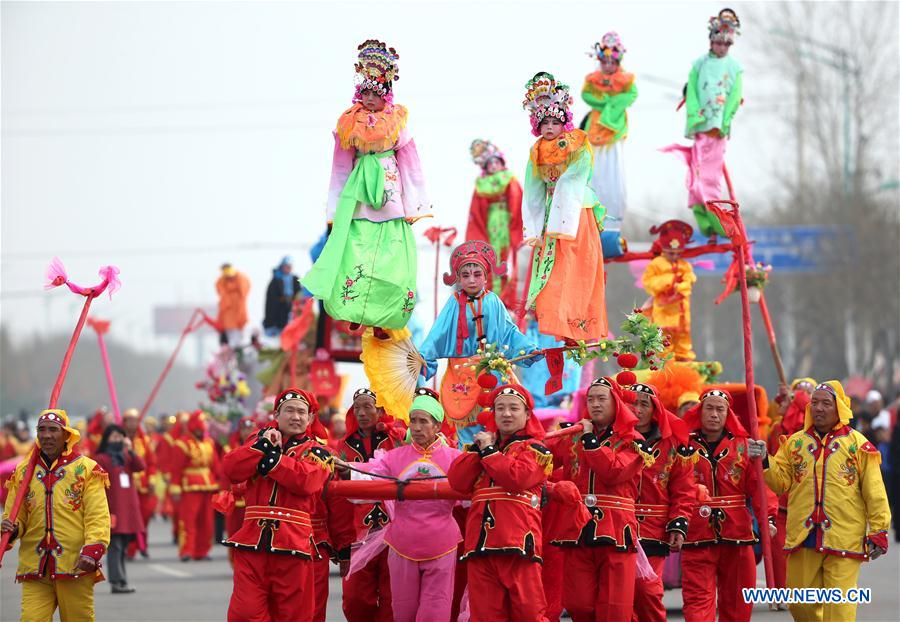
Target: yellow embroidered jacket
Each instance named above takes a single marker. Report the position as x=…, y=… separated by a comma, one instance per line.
x=834, y=483
x=64, y=515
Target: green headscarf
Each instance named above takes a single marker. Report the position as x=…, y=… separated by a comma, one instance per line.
x=427, y=404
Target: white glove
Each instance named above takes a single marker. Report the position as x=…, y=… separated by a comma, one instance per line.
x=756, y=449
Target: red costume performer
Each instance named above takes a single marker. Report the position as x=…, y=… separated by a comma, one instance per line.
x=367, y=592
x=717, y=558
x=195, y=467
x=664, y=504
x=503, y=537
x=606, y=466
x=284, y=471
x=143, y=480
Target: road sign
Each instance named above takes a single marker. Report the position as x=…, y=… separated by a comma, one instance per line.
x=789, y=248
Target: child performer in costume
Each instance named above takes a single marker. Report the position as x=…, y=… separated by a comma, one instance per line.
x=562, y=219
x=496, y=211
x=609, y=91
x=505, y=471
x=670, y=279
x=422, y=536
x=366, y=274
x=473, y=314
x=712, y=97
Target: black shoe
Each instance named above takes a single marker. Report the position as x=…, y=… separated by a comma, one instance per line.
x=185, y=558
x=145, y=554
x=122, y=588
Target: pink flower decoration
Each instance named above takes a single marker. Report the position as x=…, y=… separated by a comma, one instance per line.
x=409, y=294
x=348, y=282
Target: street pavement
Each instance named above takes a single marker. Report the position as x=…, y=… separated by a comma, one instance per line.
x=172, y=591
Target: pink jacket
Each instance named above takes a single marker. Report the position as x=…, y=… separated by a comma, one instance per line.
x=419, y=530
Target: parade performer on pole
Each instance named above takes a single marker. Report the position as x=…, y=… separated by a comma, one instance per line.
x=605, y=463
x=505, y=470
x=284, y=471
x=366, y=274
x=233, y=287
x=143, y=480
x=367, y=592
x=667, y=495
x=63, y=525
x=422, y=536
x=712, y=96
x=562, y=219
x=717, y=558
x=837, y=514
x=472, y=318
x=609, y=92
x=669, y=280
x=495, y=214
x=195, y=467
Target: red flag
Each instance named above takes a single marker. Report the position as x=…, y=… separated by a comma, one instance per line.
x=554, y=358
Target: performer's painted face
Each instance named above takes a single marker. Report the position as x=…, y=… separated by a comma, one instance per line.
x=510, y=414
x=644, y=409
x=824, y=411
x=371, y=101
x=366, y=412
x=713, y=411
x=608, y=65
x=293, y=418
x=672, y=254
x=494, y=165
x=52, y=438
x=719, y=48
x=423, y=428
x=551, y=128
x=472, y=279
x=600, y=406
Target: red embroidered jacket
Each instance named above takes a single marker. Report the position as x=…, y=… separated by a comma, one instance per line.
x=195, y=466
x=506, y=482
x=731, y=480
x=607, y=471
x=358, y=448
x=283, y=487
x=667, y=493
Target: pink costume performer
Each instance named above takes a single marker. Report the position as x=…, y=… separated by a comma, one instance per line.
x=712, y=97
x=422, y=535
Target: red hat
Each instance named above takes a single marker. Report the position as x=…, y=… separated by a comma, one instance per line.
x=673, y=235
x=669, y=424
x=533, y=427
x=477, y=252
x=197, y=421
x=385, y=423
x=315, y=427
x=732, y=423
x=625, y=420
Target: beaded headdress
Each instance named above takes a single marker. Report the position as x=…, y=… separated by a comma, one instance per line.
x=376, y=67
x=482, y=151
x=545, y=97
x=724, y=26
x=610, y=46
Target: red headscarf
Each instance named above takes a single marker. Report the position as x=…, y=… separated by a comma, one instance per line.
x=385, y=423
x=624, y=420
x=533, y=427
x=235, y=439
x=668, y=424
x=732, y=424
x=197, y=421
x=795, y=413
x=315, y=427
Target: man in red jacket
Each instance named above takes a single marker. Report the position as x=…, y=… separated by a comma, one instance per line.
x=505, y=470
x=285, y=472
x=717, y=558
x=367, y=592
x=666, y=497
x=605, y=463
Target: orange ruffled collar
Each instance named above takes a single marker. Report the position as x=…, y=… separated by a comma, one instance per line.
x=368, y=131
x=558, y=151
x=609, y=83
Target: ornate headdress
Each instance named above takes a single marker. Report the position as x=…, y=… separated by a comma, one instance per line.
x=376, y=67
x=724, y=26
x=482, y=151
x=545, y=97
x=477, y=252
x=610, y=46
x=673, y=235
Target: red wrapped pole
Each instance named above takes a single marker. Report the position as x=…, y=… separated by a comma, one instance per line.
x=762, y=501
x=100, y=327
x=57, y=276
x=572, y=429
x=382, y=490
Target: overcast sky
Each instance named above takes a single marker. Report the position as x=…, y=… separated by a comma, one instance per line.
x=166, y=138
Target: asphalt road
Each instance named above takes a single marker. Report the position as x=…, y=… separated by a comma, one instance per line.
x=169, y=590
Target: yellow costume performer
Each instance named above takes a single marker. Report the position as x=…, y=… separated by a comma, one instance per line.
x=837, y=513
x=670, y=279
x=64, y=518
